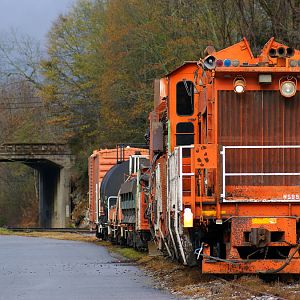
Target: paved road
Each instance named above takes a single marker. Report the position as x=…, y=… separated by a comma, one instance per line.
x=42, y=269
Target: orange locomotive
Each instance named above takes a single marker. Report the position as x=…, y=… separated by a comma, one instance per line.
x=225, y=153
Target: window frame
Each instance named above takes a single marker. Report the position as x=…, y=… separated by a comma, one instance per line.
x=192, y=98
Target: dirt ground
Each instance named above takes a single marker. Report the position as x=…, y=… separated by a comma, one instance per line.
x=189, y=282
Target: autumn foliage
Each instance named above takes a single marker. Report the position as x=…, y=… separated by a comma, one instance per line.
x=104, y=56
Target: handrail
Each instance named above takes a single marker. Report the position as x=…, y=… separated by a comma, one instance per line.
x=181, y=174
x=225, y=174
x=169, y=212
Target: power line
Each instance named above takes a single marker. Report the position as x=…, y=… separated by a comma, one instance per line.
x=16, y=98
x=21, y=102
x=22, y=107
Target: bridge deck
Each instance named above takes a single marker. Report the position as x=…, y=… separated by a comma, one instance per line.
x=34, y=149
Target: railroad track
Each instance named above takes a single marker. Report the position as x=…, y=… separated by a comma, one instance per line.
x=38, y=229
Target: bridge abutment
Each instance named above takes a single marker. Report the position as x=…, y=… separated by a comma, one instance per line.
x=54, y=163
x=62, y=201
x=54, y=195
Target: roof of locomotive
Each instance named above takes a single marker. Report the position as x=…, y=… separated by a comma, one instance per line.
x=186, y=63
x=241, y=51
x=245, y=60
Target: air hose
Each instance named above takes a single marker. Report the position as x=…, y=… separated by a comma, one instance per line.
x=286, y=263
x=288, y=260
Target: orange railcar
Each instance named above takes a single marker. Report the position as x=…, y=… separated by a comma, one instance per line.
x=227, y=130
x=99, y=163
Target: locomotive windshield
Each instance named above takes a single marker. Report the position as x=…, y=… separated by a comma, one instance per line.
x=184, y=133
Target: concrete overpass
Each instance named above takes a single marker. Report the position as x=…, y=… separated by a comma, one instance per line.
x=53, y=162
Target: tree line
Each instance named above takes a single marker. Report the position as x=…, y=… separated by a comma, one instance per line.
x=104, y=55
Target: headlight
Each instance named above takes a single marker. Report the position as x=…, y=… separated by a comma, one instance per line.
x=239, y=85
x=288, y=89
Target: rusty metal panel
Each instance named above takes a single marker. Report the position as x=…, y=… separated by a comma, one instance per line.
x=206, y=156
x=241, y=225
x=260, y=118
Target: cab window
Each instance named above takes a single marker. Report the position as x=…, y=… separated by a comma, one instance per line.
x=185, y=98
x=184, y=133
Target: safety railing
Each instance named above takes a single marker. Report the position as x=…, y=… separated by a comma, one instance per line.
x=175, y=194
x=176, y=174
x=226, y=174
x=135, y=162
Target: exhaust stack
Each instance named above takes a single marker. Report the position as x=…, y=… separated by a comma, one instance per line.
x=281, y=52
x=272, y=52
x=290, y=52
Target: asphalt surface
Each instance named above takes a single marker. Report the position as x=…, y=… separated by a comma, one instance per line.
x=42, y=269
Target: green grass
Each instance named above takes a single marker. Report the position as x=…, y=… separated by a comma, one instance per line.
x=128, y=252
x=4, y=231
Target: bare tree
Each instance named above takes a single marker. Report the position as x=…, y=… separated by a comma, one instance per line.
x=20, y=56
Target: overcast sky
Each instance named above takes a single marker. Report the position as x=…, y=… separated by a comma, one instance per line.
x=32, y=17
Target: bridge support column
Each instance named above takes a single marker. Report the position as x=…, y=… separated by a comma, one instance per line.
x=47, y=183
x=54, y=194
x=62, y=199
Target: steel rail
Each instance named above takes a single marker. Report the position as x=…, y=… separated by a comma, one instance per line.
x=39, y=229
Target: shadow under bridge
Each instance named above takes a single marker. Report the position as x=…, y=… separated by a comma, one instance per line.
x=53, y=163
